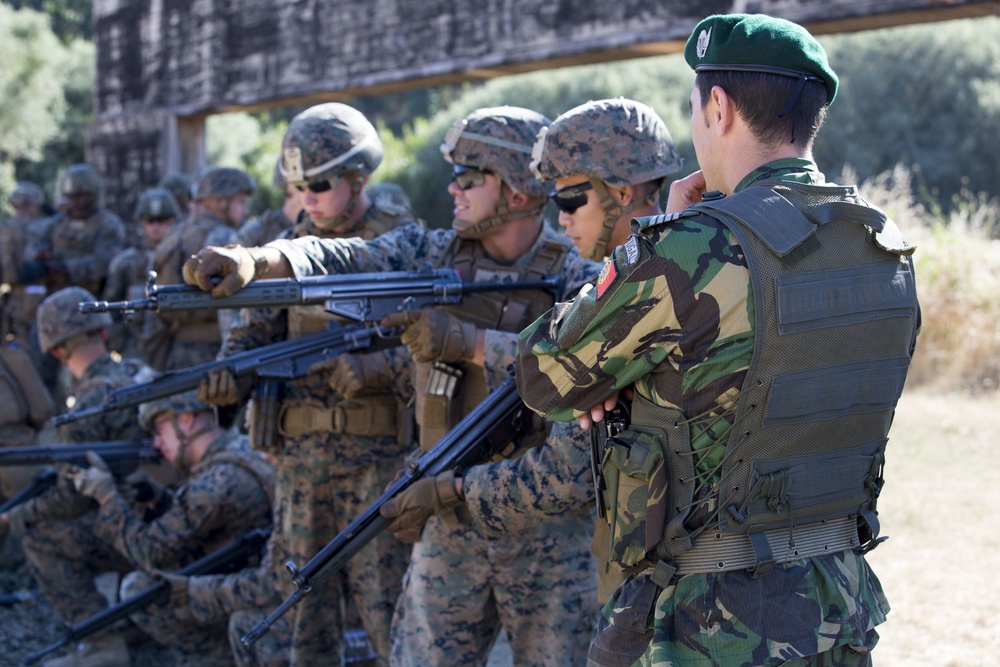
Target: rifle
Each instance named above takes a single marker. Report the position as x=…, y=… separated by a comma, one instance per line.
x=122, y=456
x=488, y=429
x=285, y=360
x=362, y=297
x=17, y=597
x=222, y=560
x=42, y=481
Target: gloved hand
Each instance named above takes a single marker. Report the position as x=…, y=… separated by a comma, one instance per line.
x=178, y=592
x=434, y=335
x=95, y=481
x=140, y=488
x=410, y=509
x=220, y=388
x=349, y=374
x=233, y=265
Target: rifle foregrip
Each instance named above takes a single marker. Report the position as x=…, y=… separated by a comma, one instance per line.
x=262, y=628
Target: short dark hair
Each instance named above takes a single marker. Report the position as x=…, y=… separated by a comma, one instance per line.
x=778, y=109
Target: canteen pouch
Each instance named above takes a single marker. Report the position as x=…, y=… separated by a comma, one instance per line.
x=635, y=475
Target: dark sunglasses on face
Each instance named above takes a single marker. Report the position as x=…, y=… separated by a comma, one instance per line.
x=466, y=177
x=157, y=219
x=572, y=197
x=319, y=186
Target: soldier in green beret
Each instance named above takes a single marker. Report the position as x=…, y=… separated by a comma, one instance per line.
x=761, y=330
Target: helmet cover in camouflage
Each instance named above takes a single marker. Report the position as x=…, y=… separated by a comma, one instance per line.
x=26, y=192
x=178, y=183
x=157, y=203
x=329, y=140
x=224, y=183
x=277, y=179
x=498, y=140
x=177, y=404
x=621, y=142
x=59, y=317
x=80, y=179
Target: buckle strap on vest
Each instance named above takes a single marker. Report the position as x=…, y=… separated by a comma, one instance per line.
x=370, y=416
x=759, y=550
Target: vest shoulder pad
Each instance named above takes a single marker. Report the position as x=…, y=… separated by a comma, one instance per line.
x=640, y=225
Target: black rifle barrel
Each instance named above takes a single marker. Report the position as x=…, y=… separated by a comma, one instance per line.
x=500, y=418
x=248, y=543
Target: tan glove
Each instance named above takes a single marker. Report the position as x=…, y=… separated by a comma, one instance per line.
x=351, y=374
x=96, y=481
x=220, y=388
x=178, y=593
x=410, y=509
x=233, y=266
x=434, y=335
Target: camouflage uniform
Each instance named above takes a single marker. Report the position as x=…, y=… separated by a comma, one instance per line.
x=264, y=228
x=674, y=312
x=25, y=408
x=60, y=543
x=228, y=493
x=615, y=142
x=326, y=475
x=179, y=340
x=127, y=275
x=20, y=238
x=460, y=586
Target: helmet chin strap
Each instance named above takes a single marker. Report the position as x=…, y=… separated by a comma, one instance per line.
x=613, y=211
x=184, y=440
x=468, y=230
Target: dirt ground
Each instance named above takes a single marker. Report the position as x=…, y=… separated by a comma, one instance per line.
x=942, y=488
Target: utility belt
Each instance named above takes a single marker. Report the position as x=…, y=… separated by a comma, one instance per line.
x=370, y=416
x=198, y=332
x=632, y=475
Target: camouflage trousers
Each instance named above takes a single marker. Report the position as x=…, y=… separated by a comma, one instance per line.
x=193, y=642
x=539, y=584
x=65, y=555
x=316, y=498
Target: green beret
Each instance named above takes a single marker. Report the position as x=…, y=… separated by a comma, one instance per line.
x=759, y=43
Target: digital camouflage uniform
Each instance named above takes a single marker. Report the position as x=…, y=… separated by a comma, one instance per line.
x=329, y=472
x=127, y=275
x=227, y=493
x=461, y=586
x=21, y=239
x=674, y=314
x=25, y=408
x=60, y=543
x=264, y=228
x=191, y=337
x=616, y=142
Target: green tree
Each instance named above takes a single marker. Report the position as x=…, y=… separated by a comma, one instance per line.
x=45, y=100
x=70, y=18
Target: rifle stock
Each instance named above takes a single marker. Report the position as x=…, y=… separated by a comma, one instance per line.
x=362, y=297
x=122, y=456
x=492, y=425
x=247, y=544
x=285, y=360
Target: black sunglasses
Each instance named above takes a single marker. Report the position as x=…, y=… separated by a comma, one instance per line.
x=319, y=186
x=572, y=197
x=156, y=219
x=467, y=177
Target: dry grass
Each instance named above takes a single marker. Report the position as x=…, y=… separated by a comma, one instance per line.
x=938, y=507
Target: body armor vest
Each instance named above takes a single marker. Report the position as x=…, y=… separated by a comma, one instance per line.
x=835, y=318
x=448, y=392
x=70, y=238
x=370, y=414
x=168, y=262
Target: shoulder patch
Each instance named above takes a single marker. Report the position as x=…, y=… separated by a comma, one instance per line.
x=607, y=278
x=650, y=221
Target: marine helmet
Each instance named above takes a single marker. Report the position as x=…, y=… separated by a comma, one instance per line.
x=223, y=183
x=177, y=404
x=59, y=318
x=329, y=140
x=80, y=178
x=621, y=142
x=157, y=203
x=498, y=140
x=178, y=183
x=26, y=192
x=277, y=178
